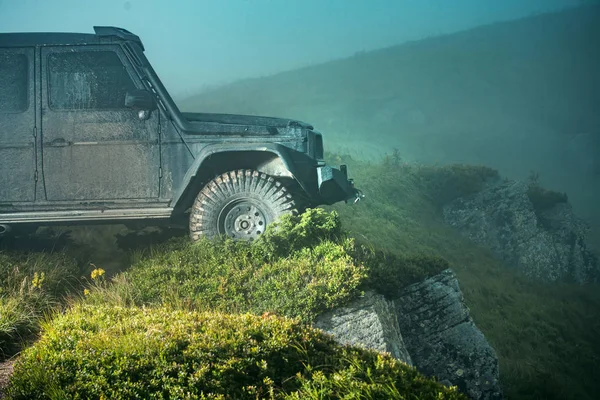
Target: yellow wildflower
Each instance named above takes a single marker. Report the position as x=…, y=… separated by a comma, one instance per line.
x=37, y=280
x=97, y=273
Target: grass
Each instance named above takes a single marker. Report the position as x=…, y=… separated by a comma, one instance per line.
x=31, y=285
x=547, y=336
x=116, y=353
x=297, y=272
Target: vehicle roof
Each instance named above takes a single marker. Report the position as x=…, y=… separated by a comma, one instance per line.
x=103, y=34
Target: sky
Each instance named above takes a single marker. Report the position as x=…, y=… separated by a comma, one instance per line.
x=196, y=44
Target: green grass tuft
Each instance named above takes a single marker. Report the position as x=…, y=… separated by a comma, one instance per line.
x=30, y=286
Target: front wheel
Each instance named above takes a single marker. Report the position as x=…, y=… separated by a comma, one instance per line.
x=239, y=204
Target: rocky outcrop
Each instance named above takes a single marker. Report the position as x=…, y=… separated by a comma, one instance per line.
x=443, y=340
x=427, y=326
x=545, y=243
x=369, y=322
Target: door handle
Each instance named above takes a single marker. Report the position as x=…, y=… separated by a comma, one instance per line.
x=60, y=142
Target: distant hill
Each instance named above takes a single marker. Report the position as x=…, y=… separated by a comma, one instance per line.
x=518, y=96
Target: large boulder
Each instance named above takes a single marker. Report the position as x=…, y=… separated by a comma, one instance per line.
x=443, y=340
x=429, y=327
x=545, y=242
x=369, y=322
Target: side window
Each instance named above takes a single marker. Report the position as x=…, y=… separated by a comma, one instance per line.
x=14, y=73
x=93, y=80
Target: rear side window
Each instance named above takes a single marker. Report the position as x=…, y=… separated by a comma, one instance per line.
x=13, y=82
x=87, y=81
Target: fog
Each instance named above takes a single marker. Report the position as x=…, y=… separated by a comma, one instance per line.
x=199, y=44
x=519, y=98
x=400, y=90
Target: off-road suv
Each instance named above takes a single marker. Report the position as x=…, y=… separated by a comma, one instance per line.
x=88, y=133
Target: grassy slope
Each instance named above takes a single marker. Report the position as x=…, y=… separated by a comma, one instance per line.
x=517, y=96
x=546, y=336
x=133, y=336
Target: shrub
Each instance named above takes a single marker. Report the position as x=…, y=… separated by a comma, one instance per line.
x=116, y=353
x=235, y=277
x=292, y=233
x=303, y=266
x=388, y=273
x=447, y=183
x=544, y=199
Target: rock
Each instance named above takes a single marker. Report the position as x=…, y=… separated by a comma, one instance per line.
x=546, y=244
x=429, y=327
x=369, y=322
x=443, y=340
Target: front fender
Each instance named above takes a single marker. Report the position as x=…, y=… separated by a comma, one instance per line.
x=301, y=167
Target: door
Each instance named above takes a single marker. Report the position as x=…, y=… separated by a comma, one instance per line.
x=94, y=148
x=17, y=126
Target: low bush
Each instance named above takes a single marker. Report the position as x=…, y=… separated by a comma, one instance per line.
x=389, y=273
x=118, y=353
x=446, y=183
x=544, y=199
x=300, y=268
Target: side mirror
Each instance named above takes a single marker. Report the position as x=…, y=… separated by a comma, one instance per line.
x=140, y=100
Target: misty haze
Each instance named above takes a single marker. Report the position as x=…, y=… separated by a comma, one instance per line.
x=434, y=168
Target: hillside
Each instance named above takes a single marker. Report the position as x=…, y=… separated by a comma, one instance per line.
x=517, y=96
x=546, y=336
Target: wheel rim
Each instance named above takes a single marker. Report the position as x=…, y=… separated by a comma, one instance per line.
x=242, y=219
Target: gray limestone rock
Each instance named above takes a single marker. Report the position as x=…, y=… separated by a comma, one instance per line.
x=545, y=244
x=443, y=340
x=369, y=322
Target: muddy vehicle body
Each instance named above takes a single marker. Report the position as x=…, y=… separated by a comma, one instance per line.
x=89, y=134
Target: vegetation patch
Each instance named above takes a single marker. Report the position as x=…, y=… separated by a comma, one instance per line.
x=30, y=285
x=547, y=337
x=55, y=272
x=447, y=183
x=116, y=353
x=304, y=265
x=389, y=273
x=544, y=199
x=300, y=268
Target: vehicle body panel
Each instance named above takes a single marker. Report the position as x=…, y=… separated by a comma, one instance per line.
x=75, y=147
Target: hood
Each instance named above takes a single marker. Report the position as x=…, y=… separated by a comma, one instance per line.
x=236, y=119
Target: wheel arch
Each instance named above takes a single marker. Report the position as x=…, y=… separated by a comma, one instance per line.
x=270, y=159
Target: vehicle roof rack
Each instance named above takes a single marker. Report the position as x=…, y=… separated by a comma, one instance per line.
x=118, y=32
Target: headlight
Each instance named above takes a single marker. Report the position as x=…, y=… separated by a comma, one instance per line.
x=315, y=145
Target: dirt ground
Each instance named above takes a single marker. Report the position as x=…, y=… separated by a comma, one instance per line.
x=6, y=368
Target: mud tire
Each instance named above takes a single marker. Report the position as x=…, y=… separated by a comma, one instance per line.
x=239, y=204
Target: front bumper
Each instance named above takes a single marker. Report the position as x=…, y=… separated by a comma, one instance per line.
x=333, y=185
